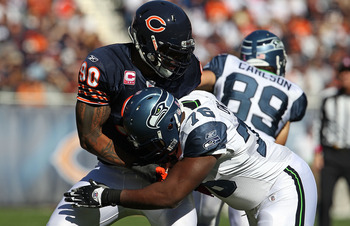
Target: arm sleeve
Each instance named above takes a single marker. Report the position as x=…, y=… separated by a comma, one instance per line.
x=216, y=65
x=92, y=80
x=206, y=139
x=298, y=108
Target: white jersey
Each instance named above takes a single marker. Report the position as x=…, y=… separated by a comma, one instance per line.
x=248, y=165
x=264, y=101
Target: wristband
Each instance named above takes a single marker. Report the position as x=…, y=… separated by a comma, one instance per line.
x=110, y=197
x=318, y=149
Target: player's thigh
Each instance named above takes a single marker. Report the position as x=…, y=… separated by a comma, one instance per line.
x=292, y=200
x=309, y=188
x=184, y=214
x=237, y=217
x=64, y=214
x=208, y=209
x=280, y=213
x=114, y=177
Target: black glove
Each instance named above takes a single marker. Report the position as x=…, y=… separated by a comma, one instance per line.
x=151, y=172
x=87, y=196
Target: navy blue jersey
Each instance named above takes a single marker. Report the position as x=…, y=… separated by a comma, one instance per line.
x=108, y=77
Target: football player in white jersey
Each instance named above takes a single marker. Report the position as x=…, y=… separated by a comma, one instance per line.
x=220, y=153
x=262, y=98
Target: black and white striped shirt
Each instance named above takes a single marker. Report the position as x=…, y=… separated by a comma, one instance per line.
x=335, y=120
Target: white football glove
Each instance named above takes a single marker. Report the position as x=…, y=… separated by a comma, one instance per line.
x=89, y=196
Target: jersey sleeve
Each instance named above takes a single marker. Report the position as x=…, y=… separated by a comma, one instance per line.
x=207, y=139
x=298, y=108
x=216, y=65
x=93, y=82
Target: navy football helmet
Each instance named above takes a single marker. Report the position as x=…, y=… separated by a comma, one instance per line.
x=151, y=119
x=162, y=34
x=262, y=48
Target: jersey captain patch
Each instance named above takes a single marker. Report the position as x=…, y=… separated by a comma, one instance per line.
x=129, y=77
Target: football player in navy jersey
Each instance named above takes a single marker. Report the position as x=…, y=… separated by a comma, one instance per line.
x=219, y=154
x=255, y=89
x=161, y=54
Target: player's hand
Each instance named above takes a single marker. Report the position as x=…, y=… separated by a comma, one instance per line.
x=86, y=196
x=151, y=172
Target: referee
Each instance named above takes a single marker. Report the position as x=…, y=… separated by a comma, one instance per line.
x=332, y=156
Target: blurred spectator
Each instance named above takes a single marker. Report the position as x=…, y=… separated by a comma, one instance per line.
x=42, y=43
x=333, y=153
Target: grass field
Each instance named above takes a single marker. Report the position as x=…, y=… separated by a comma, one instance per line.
x=39, y=216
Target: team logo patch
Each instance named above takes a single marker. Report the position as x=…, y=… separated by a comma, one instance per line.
x=278, y=44
x=129, y=77
x=156, y=27
x=212, y=139
x=92, y=58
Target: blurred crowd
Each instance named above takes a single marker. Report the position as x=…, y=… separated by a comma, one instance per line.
x=43, y=42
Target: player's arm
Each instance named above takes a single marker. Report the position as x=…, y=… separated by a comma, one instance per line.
x=184, y=177
x=283, y=135
x=208, y=80
x=89, y=119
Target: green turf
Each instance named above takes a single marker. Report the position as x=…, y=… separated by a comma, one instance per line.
x=39, y=216
x=24, y=216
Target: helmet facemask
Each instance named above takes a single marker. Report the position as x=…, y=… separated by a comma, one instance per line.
x=153, y=150
x=168, y=60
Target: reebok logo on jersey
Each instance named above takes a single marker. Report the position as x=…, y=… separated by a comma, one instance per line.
x=92, y=58
x=211, y=139
x=129, y=77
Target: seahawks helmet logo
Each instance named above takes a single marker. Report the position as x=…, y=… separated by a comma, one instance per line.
x=160, y=110
x=277, y=43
